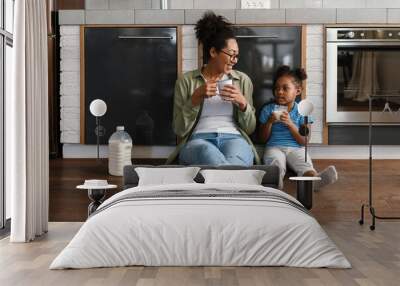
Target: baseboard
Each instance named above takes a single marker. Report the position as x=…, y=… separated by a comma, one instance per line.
x=317, y=151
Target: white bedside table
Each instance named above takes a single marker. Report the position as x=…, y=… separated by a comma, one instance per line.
x=96, y=195
x=305, y=189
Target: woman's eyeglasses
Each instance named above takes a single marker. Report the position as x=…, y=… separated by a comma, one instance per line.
x=232, y=57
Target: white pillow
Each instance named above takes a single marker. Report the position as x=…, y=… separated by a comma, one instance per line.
x=248, y=177
x=164, y=176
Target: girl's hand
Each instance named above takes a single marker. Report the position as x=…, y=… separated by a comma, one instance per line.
x=233, y=94
x=272, y=119
x=285, y=119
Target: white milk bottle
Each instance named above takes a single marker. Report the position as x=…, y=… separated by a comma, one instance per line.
x=119, y=151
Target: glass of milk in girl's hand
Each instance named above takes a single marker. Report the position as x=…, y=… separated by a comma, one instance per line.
x=278, y=111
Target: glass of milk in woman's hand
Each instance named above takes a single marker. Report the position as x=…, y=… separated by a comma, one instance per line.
x=278, y=111
x=221, y=84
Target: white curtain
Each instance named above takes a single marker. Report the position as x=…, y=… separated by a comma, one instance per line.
x=364, y=81
x=27, y=166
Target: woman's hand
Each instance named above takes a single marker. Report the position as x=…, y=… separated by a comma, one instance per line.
x=209, y=89
x=232, y=93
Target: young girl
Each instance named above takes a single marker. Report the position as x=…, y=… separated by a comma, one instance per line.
x=280, y=123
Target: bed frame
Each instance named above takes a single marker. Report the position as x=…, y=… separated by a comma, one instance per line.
x=270, y=179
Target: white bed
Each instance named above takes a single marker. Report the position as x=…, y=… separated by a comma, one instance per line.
x=245, y=225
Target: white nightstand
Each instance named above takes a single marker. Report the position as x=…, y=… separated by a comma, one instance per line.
x=96, y=195
x=305, y=189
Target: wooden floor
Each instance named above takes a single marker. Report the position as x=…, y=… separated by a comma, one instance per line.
x=341, y=201
x=374, y=255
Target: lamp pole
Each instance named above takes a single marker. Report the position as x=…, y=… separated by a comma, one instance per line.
x=306, y=130
x=98, y=137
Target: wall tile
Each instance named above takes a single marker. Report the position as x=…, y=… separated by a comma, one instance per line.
x=393, y=16
x=70, y=65
x=188, y=30
x=180, y=4
x=69, y=101
x=300, y=4
x=314, y=65
x=110, y=17
x=155, y=4
x=70, y=90
x=69, y=125
x=273, y=4
x=188, y=65
x=69, y=41
x=121, y=4
x=344, y=3
x=70, y=113
x=383, y=3
x=70, y=137
x=316, y=138
x=96, y=4
x=316, y=76
x=314, y=89
x=192, y=16
x=367, y=16
x=314, y=40
x=189, y=41
x=189, y=53
x=159, y=16
x=213, y=4
x=315, y=29
x=70, y=78
x=255, y=16
x=71, y=17
x=69, y=30
x=323, y=16
x=70, y=53
x=142, y=4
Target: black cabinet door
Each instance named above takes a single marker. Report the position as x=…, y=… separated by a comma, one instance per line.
x=134, y=71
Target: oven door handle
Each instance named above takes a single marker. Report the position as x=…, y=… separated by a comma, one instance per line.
x=145, y=37
x=366, y=44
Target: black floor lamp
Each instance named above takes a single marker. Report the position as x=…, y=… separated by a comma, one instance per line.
x=305, y=184
x=98, y=108
x=305, y=108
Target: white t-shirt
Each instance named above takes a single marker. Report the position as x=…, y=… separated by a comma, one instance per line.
x=216, y=116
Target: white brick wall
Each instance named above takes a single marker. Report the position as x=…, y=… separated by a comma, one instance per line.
x=69, y=84
x=189, y=48
x=315, y=72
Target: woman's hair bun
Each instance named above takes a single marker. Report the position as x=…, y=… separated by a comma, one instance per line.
x=210, y=25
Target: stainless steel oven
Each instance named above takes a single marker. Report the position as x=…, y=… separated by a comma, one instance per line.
x=361, y=62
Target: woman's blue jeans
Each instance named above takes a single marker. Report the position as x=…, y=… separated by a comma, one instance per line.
x=216, y=149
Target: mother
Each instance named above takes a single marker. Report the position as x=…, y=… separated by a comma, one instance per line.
x=213, y=124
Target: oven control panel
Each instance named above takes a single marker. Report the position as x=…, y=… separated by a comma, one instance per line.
x=360, y=34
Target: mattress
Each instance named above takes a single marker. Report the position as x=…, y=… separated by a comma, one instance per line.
x=201, y=225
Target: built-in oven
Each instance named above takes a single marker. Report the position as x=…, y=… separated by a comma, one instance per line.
x=361, y=62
